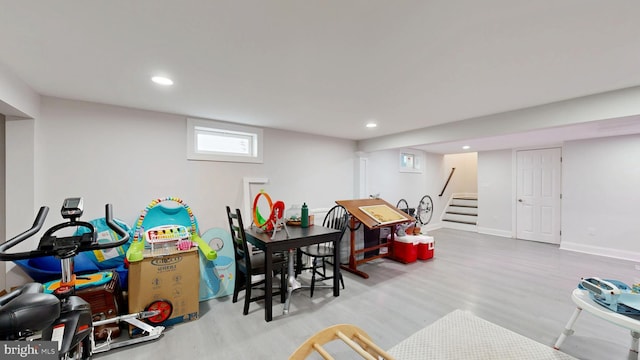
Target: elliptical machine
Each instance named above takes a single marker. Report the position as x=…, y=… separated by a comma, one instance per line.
x=62, y=317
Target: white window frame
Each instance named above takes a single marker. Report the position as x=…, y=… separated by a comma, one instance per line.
x=203, y=126
x=410, y=161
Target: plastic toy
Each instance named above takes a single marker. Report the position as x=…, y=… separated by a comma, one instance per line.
x=258, y=219
x=276, y=217
x=160, y=215
x=612, y=294
x=157, y=214
x=82, y=281
x=217, y=277
x=172, y=236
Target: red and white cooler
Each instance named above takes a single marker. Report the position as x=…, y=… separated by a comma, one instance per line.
x=405, y=248
x=425, y=247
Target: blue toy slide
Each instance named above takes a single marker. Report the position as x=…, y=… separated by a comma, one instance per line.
x=217, y=277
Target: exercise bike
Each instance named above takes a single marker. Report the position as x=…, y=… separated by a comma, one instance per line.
x=62, y=317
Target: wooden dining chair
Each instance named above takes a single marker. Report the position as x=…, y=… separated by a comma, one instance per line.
x=249, y=265
x=322, y=254
x=354, y=337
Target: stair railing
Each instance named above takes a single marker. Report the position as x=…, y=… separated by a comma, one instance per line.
x=447, y=183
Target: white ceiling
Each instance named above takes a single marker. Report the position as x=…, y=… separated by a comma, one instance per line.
x=325, y=67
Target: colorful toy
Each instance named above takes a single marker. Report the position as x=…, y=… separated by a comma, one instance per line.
x=136, y=249
x=169, y=236
x=258, y=220
x=612, y=294
x=82, y=281
x=276, y=215
x=178, y=226
x=217, y=276
x=157, y=214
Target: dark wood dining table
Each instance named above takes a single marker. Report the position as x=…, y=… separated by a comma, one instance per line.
x=297, y=237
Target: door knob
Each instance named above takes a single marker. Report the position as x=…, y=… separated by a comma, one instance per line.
x=520, y=200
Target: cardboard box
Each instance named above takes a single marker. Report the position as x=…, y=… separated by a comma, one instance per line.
x=174, y=277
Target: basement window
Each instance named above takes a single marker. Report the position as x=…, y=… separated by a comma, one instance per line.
x=211, y=140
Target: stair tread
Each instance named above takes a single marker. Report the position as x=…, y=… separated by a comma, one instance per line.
x=461, y=222
x=462, y=210
x=460, y=213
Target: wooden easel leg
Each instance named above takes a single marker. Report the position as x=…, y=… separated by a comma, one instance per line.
x=353, y=265
x=355, y=271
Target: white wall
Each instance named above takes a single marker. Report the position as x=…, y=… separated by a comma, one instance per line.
x=2, y=199
x=495, y=192
x=393, y=185
x=19, y=183
x=127, y=157
x=16, y=97
x=600, y=197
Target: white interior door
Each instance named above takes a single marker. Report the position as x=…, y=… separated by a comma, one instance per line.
x=538, y=195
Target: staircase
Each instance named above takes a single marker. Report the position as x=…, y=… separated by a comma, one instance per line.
x=461, y=213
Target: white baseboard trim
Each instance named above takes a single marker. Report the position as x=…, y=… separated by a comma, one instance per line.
x=496, y=232
x=459, y=226
x=600, y=251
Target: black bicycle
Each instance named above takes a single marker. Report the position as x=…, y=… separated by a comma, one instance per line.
x=424, y=211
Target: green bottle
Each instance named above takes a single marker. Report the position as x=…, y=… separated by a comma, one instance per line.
x=304, y=216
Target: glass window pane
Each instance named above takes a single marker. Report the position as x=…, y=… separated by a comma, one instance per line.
x=224, y=143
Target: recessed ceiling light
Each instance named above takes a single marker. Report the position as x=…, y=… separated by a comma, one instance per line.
x=371, y=125
x=162, y=80
x=466, y=147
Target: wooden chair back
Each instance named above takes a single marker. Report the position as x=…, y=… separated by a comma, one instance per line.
x=337, y=218
x=356, y=338
x=240, y=245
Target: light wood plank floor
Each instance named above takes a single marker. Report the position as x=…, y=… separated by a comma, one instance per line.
x=520, y=285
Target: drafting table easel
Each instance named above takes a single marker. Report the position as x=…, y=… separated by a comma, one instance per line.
x=359, y=216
